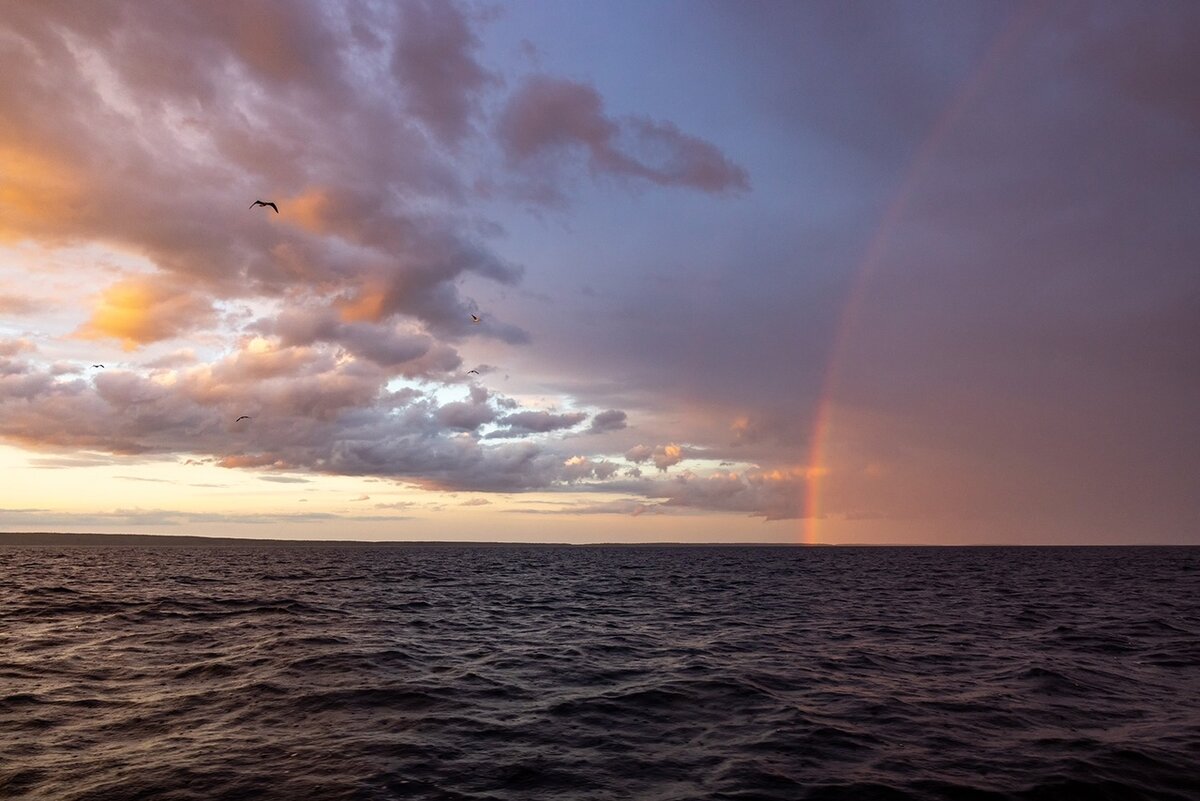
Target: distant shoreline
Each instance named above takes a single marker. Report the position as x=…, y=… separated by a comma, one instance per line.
x=36, y=539
x=86, y=539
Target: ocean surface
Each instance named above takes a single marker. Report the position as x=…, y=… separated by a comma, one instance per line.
x=441, y=672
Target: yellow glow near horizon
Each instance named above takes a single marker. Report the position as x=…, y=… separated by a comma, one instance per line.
x=111, y=495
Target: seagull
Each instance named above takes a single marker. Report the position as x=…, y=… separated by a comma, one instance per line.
x=476, y=372
x=474, y=318
x=265, y=203
x=101, y=366
x=243, y=417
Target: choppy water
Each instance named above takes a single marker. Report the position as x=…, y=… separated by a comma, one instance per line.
x=599, y=673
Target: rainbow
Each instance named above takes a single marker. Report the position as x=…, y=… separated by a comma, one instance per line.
x=822, y=422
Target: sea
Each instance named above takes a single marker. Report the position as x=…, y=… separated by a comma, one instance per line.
x=594, y=672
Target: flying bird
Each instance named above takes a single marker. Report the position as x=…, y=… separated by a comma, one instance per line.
x=101, y=366
x=265, y=203
x=474, y=318
x=476, y=372
x=243, y=417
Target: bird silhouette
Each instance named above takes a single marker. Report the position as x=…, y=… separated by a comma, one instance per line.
x=469, y=372
x=243, y=417
x=474, y=318
x=101, y=366
x=265, y=203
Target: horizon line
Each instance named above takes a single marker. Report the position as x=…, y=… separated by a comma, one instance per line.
x=14, y=539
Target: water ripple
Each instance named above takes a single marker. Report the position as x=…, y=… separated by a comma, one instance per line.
x=996, y=674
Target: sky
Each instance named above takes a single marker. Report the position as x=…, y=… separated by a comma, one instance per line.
x=878, y=272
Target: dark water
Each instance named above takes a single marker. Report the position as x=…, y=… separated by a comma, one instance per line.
x=599, y=673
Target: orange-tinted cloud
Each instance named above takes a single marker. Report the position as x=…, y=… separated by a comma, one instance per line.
x=309, y=210
x=774, y=494
x=37, y=192
x=367, y=305
x=138, y=311
x=663, y=456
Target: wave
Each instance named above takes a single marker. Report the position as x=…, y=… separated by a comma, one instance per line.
x=599, y=673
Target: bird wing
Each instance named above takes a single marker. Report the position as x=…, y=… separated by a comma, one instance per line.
x=272, y=205
x=255, y=203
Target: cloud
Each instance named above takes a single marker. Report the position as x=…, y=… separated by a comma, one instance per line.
x=22, y=382
x=167, y=517
x=579, y=468
x=523, y=424
x=284, y=479
x=663, y=456
x=395, y=505
x=548, y=117
x=16, y=305
x=179, y=358
x=475, y=502
x=138, y=311
x=633, y=508
x=776, y=494
x=611, y=420
x=434, y=60
x=630, y=506
x=63, y=462
x=392, y=346
x=312, y=412
x=639, y=453
x=34, y=189
x=359, y=280
x=667, y=455
x=470, y=414
x=276, y=83
x=12, y=347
